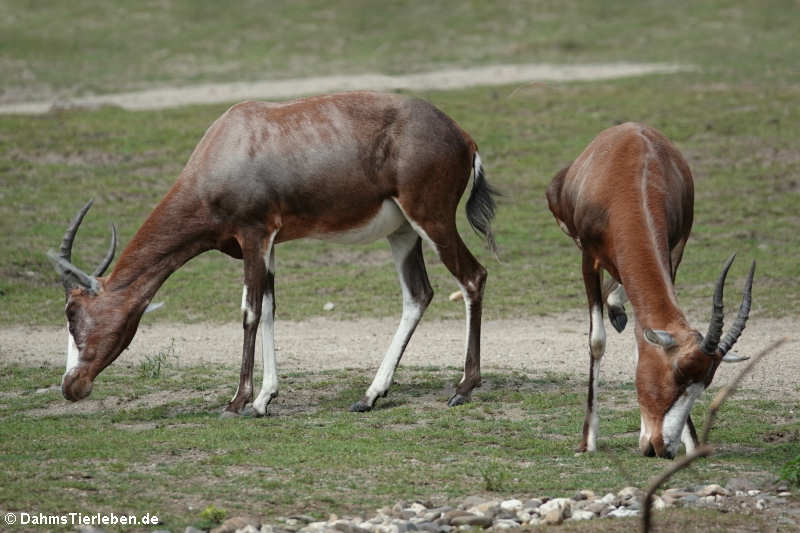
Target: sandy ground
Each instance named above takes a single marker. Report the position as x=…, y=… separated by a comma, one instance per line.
x=535, y=346
x=289, y=88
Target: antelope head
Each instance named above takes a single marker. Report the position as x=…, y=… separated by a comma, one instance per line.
x=675, y=367
x=100, y=323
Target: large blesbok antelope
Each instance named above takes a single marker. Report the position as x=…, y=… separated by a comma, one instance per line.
x=350, y=168
x=628, y=202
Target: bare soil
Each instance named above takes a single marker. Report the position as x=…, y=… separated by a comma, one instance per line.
x=536, y=346
x=290, y=88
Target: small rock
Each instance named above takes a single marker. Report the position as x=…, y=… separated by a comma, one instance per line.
x=629, y=493
x=471, y=520
x=328, y=306
x=472, y=501
x=489, y=509
x=596, y=507
x=581, y=514
x=533, y=503
x=505, y=524
x=554, y=516
x=448, y=517
x=562, y=504
x=623, y=513
x=753, y=492
x=249, y=528
x=417, y=508
x=430, y=527
x=761, y=504
x=524, y=516
x=231, y=525
x=658, y=504
x=713, y=490
x=511, y=505
x=588, y=494
x=607, y=499
x=785, y=494
x=690, y=499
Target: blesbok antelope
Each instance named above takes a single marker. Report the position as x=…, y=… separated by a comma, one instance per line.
x=350, y=168
x=628, y=202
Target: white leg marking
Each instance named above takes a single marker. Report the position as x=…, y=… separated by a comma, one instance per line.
x=73, y=354
x=644, y=435
x=675, y=419
x=591, y=440
x=617, y=297
x=687, y=440
x=269, y=382
x=402, y=244
x=250, y=316
x=597, y=335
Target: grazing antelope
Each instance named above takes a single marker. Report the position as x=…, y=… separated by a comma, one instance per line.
x=350, y=168
x=628, y=201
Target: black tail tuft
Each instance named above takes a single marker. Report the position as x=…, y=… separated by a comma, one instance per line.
x=481, y=204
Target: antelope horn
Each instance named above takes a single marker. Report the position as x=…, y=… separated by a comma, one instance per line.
x=103, y=266
x=72, y=276
x=711, y=340
x=65, y=252
x=741, y=318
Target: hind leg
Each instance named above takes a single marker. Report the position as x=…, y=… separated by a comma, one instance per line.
x=417, y=294
x=443, y=236
x=597, y=347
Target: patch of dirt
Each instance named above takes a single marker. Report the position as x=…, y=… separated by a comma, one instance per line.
x=533, y=346
x=291, y=88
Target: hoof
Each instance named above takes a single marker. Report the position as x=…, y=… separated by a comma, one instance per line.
x=618, y=318
x=360, y=407
x=457, y=399
x=252, y=413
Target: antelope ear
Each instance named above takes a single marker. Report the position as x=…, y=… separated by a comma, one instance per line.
x=153, y=307
x=659, y=338
x=733, y=357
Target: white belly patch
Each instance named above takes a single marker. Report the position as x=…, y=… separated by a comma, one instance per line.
x=386, y=221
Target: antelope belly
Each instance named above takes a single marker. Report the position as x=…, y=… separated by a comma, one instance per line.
x=386, y=221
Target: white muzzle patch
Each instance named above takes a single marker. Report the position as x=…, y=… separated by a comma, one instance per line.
x=675, y=419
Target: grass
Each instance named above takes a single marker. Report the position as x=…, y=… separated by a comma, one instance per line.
x=134, y=439
x=99, y=47
x=740, y=145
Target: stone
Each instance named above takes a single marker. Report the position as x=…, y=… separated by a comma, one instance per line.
x=658, y=504
x=629, y=493
x=753, y=492
x=533, y=503
x=785, y=494
x=621, y=512
x=472, y=521
x=608, y=499
x=489, y=509
x=553, y=516
x=563, y=505
x=582, y=515
x=597, y=507
x=511, y=505
x=761, y=504
x=713, y=490
x=249, y=528
x=740, y=483
x=448, y=517
x=417, y=508
x=233, y=524
x=505, y=524
x=588, y=494
x=472, y=501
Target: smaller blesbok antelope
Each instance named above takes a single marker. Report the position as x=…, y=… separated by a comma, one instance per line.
x=350, y=168
x=628, y=203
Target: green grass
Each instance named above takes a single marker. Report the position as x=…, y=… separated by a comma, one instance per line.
x=740, y=144
x=95, y=46
x=134, y=438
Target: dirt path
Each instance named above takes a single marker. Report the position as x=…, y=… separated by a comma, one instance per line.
x=538, y=345
x=289, y=88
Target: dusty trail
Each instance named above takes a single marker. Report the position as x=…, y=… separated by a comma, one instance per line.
x=555, y=343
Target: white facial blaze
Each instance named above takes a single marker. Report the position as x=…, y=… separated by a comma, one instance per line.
x=675, y=419
x=73, y=354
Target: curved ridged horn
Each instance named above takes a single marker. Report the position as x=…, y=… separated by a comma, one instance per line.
x=103, y=266
x=65, y=252
x=711, y=340
x=741, y=318
x=72, y=276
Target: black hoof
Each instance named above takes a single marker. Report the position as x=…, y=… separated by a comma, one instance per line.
x=618, y=318
x=360, y=407
x=457, y=399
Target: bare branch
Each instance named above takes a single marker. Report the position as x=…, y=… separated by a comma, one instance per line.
x=705, y=449
x=726, y=391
